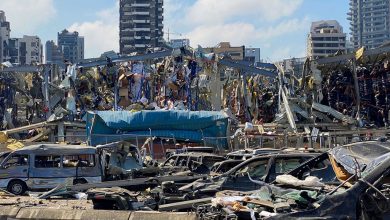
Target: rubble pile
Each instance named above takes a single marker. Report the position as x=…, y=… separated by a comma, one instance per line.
x=374, y=83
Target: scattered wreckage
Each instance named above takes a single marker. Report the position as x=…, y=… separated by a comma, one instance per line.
x=357, y=188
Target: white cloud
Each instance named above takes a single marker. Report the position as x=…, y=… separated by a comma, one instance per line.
x=216, y=12
x=257, y=23
x=244, y=33
x=26, y=16
x=102, y=34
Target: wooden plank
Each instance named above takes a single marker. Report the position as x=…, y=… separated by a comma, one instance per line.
x=25, y=128
x=38, y=136
x=184, y=204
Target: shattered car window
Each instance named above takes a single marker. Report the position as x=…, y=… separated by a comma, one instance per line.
x=255, y=169
x=47, y=161
x=86, y=160
x=17, y=160
x=170, y=161
x=284, y=165
x=210, y=161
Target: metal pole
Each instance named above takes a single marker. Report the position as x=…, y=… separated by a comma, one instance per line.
x=116, y=91
x=151, y=144
x=356, y=85
x=46, y=71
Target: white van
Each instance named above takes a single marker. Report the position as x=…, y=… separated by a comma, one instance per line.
x=44, y=166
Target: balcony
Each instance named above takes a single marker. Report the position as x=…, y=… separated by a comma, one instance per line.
x=141, y=29
x=141, y=5
x=141, y=21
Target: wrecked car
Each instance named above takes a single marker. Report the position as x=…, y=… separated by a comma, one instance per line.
x=200, y=163
x=358, y=188
x=44, y=166
x=241, y=177
x=223, y=166
x=249, y=153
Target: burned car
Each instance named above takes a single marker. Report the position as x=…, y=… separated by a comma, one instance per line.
x=249, y=153
x=241, y=177
x=358, y=188
x=200, y=163
x=223, y=166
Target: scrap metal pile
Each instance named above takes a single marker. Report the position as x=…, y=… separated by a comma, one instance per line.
x=350, y=181
x=183, y=79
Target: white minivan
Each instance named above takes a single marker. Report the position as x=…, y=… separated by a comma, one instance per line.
x=44, y=166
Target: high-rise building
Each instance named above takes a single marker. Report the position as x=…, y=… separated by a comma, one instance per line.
x=71, y=45
x=370, y=22
x=14, y=50
x=5, y=31
x=325, y=38
x=30, y=50
x=25, y=51
x=53, y=54
x=140, y=25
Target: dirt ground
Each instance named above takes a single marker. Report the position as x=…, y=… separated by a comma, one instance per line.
x=56, y=203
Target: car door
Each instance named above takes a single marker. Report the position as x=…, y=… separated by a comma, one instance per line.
x=46, y=172
x=239, y=180
x=16, y=166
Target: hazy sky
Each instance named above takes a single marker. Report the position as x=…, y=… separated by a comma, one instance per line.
x=278, y=27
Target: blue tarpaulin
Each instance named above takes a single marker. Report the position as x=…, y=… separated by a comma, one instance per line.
x=193, y=126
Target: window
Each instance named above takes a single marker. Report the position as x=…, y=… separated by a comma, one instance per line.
x=50, y=161
x=210, y=161
x=170, y=161
x=181, y=161
x=84, y=160
x=283, y=165
x=256, y=169
x=17, y=160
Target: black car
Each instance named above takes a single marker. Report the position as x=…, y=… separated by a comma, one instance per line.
x=194, y=161
x=246, y=175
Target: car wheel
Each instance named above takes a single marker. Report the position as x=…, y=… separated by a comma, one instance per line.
x=17, y=187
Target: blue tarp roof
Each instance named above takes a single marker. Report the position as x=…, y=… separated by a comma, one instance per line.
x=194, y=126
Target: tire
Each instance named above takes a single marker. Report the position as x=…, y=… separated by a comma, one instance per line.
x=79, y=181
x=17, y=187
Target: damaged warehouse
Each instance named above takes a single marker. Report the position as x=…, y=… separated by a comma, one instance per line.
x=278, y=146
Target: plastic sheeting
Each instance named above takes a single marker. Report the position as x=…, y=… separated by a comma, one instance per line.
x=201, y=126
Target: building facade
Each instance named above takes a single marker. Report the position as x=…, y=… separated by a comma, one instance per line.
x=293, y=66
x=370, y=22
x=252, y=55
x=30, y=50
x=5, y=31
x=177, y=43
x=71, y=45
x=224, y=48
x=25, y=51
x=140, y=25
x=53, y=54
x=325, y=38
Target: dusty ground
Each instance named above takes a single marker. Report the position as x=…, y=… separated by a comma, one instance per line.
x=57, y=203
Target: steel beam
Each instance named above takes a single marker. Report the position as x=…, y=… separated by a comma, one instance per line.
x=126, y=58
x=349, y=56
x=23, y=69
x=249, y=70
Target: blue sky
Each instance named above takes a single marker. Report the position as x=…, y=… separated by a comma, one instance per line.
x=278, y=27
